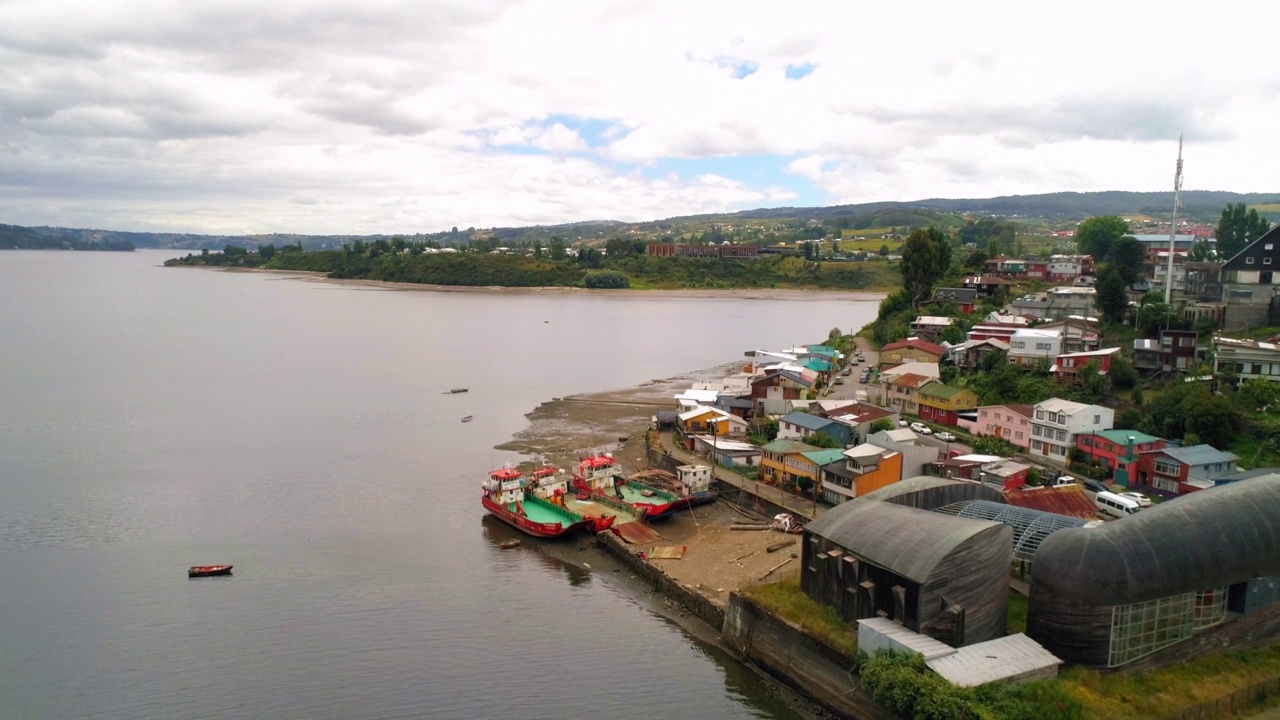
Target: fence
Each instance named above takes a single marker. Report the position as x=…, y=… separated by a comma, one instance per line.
x=1228, y=705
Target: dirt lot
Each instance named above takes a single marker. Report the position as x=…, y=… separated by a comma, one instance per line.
x=717, y=559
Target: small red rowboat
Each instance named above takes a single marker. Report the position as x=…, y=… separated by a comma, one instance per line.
x=196, y=571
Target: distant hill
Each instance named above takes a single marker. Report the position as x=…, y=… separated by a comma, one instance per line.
x=1054, y=208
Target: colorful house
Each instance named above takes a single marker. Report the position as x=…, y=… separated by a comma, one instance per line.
x=859, y=471
x=770, y=391
x=1067, y=367
x=1011, y=422
x=904, y=392
x=911, y=350
x=1118, y=450
x=966, y=298
x=1182, y=470
x=802, y=426
x=703, y=420
x=940, y=402
x=783, y=462
x=1006, y=474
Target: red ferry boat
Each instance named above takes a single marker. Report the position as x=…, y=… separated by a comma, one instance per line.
x=505, y=498
x=549, y=483
x=600, y=476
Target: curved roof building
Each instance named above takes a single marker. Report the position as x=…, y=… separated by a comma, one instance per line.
x=1107, y=595
x=885, y=555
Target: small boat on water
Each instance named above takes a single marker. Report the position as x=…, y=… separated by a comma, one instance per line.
x=505, y=498
x=507, y=545
x=600, y=477
x=468, y=418
x=455, y=391
x=198, y=571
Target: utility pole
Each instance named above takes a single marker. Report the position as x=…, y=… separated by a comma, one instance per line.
x=1173, y=225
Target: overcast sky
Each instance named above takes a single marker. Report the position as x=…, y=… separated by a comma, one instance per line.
x=256, y=116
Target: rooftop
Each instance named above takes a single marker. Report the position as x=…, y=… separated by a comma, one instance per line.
x=806, y=420
x=941, y=390
x=1200, y=455
x=1091, y=353
x=1121, y=437
x=910, y=380
x=787, y=447
x=825, y=456
x=916, y=343
x=1065, y=500
x=1005, y=658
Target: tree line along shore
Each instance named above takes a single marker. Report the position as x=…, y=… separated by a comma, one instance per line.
x=398, y=261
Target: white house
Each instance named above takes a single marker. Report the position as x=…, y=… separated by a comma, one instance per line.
x=1055, y=424
x=1029, y=346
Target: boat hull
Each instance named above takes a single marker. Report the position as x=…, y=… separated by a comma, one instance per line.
x=646, y=510
x=200, y=571
x=527, y=526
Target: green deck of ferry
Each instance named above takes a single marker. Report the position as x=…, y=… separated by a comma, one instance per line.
x=544, y=513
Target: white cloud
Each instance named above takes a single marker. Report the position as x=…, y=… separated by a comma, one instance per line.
x=400, y=116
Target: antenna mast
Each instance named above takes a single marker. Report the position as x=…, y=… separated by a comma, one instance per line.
x=1173, y=224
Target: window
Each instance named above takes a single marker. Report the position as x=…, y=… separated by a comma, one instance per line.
x=1267, y=246
x=1036, y=431
x=1062, y=436
x=1142, y=628
x=1039, y=414
x=1097, y=419
x=1019, y=436
x=1248, y=261
x=1166, y=467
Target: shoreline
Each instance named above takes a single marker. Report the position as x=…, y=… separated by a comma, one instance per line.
x=794, y=294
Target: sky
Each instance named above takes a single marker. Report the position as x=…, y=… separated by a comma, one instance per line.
x=379, y=116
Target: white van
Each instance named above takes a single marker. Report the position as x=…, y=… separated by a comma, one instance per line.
x=1112, y=504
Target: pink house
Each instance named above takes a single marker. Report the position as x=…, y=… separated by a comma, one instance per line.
x=1010, y=422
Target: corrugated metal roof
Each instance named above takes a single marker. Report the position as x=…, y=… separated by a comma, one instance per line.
x=897, y=537
x=1200, y=455
x=806, y=420
x=941, y=390
x=789, y=446
x=1004, y=658
x=1066, y=500
x=1121, y=437
x=824, y=457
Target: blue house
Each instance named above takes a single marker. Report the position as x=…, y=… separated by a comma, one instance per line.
x=800, y=425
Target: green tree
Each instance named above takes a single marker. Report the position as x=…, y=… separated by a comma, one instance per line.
x=558, y=249
x=882, y=424
x=1095, y=235
x=1126, y=256
x=267, y=251
x=884, y=251
x=1154, y=313
x=1112, y=300
x=1256, y=394
x=822, y=440
x=976, y=261
x=1200, y=251
x=1128, y=419
x=1237, y=227
x=606, y=279
x=921, y=266
x=1214, y=420
x=943, y=245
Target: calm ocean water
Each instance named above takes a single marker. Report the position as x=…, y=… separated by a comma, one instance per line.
x=154, y=418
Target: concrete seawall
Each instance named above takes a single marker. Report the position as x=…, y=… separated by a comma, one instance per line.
x=797, y=659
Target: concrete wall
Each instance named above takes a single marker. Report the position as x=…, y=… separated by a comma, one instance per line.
x=798, y=659
x=702, y=607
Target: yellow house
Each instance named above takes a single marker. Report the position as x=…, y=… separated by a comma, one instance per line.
x=784, y=463
x=940, y=402
x=703, y=420
x=903, y=392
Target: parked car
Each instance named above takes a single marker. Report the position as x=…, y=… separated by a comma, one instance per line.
x=1063, y=480
x=946, y=437
x=839, y=381
x=902, y=423
x=864, y=378
x=921, y=428
x=1094, y=485
x=847, y=371
x=1142, y=500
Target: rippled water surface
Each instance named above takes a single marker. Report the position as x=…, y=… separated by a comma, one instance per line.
x=154, y=418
